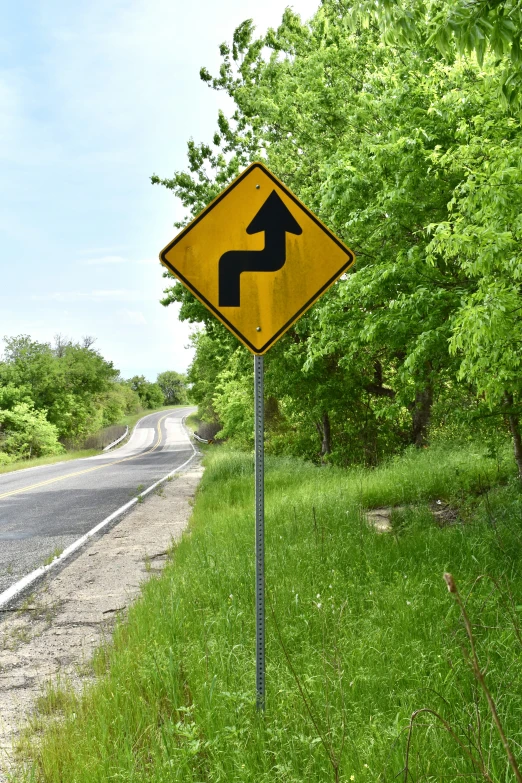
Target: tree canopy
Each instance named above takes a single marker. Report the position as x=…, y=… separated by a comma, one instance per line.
x=173, y=386
x=408, y=156
x=58, y=394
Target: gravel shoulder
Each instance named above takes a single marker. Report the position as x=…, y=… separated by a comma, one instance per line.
x=54, y=632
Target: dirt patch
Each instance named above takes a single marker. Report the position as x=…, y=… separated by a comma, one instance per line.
x=444, y=514
x=54, y=632
x=380, y=518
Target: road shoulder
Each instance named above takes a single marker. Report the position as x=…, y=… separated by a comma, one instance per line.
x=56, y=630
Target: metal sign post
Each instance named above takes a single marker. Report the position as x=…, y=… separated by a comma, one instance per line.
x=259, y=421
x=257, y=288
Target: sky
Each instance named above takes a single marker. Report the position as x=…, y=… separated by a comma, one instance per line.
x=95, y=96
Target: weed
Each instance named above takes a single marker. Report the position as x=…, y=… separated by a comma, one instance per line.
x=27, y=604
x=84, y=669
x=18, y=635
x=53, y=556
x=55, y=698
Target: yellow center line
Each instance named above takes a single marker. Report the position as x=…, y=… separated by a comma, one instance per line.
x=89, y=470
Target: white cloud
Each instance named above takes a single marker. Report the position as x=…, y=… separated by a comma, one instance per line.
x=97, y=251
x=102, y=260
x=133, y=317
x=110, y=260
x=110, y=295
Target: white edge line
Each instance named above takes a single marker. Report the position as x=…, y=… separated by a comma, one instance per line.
x=25, y=581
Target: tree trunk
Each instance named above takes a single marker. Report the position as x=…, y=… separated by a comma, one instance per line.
x=326, y=447
x=421, y=415
x=377, y=387
x=514, y=426
x=323, y=428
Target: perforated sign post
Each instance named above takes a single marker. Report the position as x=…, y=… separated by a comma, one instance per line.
x=258, y=259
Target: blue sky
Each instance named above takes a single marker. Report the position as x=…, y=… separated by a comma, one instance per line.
x=95, y=96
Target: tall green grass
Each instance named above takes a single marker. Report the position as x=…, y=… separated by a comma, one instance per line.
x=361, y=633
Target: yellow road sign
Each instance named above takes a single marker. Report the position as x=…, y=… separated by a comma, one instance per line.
x=257, y=258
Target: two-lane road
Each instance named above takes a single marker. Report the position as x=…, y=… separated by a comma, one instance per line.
x=44, y=509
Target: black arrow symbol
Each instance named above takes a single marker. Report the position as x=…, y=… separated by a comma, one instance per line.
x=276, y=220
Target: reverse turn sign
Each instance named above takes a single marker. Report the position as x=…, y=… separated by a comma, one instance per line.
x=257, y=258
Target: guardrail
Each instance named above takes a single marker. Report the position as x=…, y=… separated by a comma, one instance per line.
x=201, y=440
x=118, y=440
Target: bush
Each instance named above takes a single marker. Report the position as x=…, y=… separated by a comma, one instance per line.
x=26, y=432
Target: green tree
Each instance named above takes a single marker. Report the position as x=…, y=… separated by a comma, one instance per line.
x=482, y=237
x=26, y=432
x=455, y=26
x=119, y=401
x=213, y=351
x=394, y=149
x=300, y=105
x=69, y=382
x=11, y=395
x=174, y=387
x=150, y=394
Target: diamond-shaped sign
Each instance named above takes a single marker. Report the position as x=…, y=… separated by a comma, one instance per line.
x=257, y=258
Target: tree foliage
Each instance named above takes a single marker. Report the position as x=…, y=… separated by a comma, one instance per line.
x=150, y=394
x=478, y=27
x=173, y=386
x=26, y=432
x=61, y=393
x=412, y=160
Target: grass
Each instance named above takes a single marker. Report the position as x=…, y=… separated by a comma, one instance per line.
x=192, y=421
x=362, y=634
x=54, y=699
x=130, y=421
x=54, y=554
x=51, y=460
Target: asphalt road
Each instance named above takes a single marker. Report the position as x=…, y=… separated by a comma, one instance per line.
x=44, y=509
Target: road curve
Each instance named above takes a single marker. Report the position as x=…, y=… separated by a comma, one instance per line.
x=44, y=509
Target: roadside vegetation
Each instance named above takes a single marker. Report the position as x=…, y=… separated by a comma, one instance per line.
x=362, y=634
x=63, y=401
x=398, y=124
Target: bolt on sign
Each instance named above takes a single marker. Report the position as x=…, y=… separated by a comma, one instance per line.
x=257, y=258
